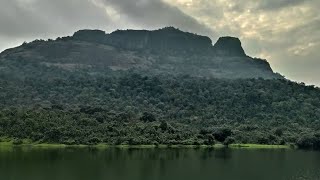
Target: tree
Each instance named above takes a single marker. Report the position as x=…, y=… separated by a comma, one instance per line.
x=222, y=134
x=278, y=132
x=228, y=141
x=209, y=139
x=163, y=126
x=306, y=142
x=147, y=117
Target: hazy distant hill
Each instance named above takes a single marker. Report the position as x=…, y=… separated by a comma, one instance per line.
x=166, y=50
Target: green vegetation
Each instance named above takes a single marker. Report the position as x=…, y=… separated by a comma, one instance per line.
x=54, y=106
x=259, y=146
x=10, y=144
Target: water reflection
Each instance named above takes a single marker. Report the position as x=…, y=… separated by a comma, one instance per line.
x=158, y=164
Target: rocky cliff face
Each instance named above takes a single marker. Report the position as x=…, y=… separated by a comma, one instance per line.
x=167, y=39
x=166, y=50
x=229, y=46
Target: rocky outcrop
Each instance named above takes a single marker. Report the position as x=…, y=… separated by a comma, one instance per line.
x=166, y=39
x=229, y=46
x=97, y=36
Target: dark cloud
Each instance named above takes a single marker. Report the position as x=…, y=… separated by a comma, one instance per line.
x=156, y=14
x=45, y=17
x=17, y=20
x=31, y=19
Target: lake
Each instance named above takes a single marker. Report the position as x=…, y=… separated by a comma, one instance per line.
x=158, y=164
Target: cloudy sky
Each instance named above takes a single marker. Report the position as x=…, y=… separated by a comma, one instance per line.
x=285, y=32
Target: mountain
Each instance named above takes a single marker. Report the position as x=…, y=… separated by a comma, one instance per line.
x=150, y=87
x=163, y=51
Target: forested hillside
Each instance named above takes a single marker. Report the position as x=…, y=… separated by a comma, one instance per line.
x=49, y=104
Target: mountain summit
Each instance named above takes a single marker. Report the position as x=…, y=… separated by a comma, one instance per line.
x=167, y=50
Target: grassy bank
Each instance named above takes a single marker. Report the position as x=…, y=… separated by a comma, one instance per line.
x=259, y=146
x=27, y=143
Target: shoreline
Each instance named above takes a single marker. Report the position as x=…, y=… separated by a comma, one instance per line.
x=162, y=146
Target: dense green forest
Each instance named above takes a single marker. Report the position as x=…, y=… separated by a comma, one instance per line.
x=52, y=105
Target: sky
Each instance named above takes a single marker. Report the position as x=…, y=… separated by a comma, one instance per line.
x=285, y=32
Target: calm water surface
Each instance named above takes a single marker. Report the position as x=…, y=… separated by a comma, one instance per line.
x=158, y=164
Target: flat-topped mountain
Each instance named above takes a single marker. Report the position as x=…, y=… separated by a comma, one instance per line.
x=168, y=50
x=133, y=87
